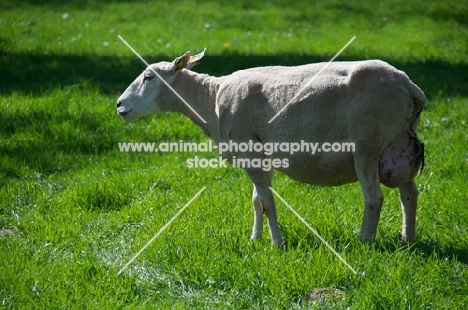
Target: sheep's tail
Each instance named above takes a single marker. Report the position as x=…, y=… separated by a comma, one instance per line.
x=419, y=101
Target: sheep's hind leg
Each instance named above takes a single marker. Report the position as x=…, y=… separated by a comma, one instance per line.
x=368, y=175
x=409, y=202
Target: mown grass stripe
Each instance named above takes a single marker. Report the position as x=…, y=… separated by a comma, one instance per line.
x=160, y=231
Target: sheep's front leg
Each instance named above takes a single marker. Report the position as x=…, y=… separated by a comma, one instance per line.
x=258, y=216
x=409, y=203
x=267, y=203
x=264, y=203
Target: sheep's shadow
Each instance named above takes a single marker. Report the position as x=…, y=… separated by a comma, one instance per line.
x=425, y=248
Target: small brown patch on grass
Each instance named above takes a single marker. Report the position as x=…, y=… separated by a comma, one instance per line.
x=324, y=294
x=8, y=232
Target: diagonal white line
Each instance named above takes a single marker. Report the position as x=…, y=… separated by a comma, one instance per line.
x=311, y=80
x=160, y=231
x=314, y=231
x=167, y=84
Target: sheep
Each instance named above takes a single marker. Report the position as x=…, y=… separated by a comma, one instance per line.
x=368, y=103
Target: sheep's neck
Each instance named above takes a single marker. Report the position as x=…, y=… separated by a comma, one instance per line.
x=199, y=91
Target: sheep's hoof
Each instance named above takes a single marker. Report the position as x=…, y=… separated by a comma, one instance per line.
x=367, y=239
x=254, y=238
x=278, y=245
x=407, y=239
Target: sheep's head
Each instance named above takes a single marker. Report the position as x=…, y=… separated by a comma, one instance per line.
x=149, y=93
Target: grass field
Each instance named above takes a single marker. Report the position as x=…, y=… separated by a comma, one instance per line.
x=74, y=209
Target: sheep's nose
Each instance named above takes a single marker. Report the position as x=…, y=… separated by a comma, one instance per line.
x=119, y=103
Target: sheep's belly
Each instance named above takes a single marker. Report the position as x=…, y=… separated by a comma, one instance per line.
x=400, y=162
x=329, y=169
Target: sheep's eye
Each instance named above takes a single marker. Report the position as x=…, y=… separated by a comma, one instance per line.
x=148, y=76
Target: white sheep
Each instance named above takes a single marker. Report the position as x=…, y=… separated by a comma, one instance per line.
x=369, y=103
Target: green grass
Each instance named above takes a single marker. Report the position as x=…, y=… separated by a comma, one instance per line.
x=81, y=209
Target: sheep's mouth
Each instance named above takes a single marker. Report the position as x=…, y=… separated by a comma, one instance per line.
x=123, y=113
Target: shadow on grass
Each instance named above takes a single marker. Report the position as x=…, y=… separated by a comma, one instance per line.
x=37, y=74
x=298, y=237
x=426, y=248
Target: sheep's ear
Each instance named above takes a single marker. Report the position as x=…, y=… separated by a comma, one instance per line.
x=195, y=60
x=187, y=61
x=181, y=62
